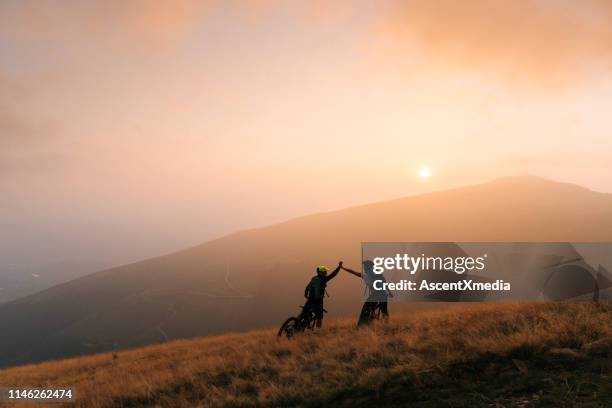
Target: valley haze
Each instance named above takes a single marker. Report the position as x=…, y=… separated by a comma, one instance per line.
x=255, y=278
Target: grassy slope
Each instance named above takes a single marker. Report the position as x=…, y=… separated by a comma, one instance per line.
x=482, y=355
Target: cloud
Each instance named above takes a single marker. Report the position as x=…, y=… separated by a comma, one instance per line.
x=27, y=141
x=16, y=130
x=549, y=42
x=145, y=21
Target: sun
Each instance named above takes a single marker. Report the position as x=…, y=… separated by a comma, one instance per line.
x=424, y=172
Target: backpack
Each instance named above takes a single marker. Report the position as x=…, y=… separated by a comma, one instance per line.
x=316, y=289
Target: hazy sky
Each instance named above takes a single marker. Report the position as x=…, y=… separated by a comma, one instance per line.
x=130, y=129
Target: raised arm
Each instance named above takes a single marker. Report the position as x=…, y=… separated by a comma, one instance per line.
x=358, y=274
x=335, y=272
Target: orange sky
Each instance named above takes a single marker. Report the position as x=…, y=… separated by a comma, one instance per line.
x=130, y=129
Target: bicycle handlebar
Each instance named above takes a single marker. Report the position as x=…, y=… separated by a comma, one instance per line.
x=324, y=310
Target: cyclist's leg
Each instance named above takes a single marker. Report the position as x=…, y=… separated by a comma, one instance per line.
x=306, y=309
x=384, y=310
x=319, y=315
x=366, y=313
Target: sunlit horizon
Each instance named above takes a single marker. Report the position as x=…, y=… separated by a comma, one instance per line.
x=130, y=130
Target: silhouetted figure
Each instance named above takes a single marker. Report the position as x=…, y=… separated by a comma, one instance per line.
x=315, y=292
x=376, y=299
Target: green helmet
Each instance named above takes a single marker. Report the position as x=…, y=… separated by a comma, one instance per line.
x=322, y=269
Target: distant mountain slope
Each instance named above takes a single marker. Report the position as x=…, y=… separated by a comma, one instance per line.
x=18, y=281
x=255, y=278
x=510, y=355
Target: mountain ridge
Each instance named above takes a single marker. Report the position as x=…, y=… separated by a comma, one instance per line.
x=510, y=179
x=254, y=278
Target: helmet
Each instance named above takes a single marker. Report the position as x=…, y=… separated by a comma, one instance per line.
x=322, y=269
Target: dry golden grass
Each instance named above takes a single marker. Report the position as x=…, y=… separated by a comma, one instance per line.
x=458, y=357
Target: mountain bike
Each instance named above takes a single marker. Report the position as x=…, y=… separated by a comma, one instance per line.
x=298, y=324
x=371, y=313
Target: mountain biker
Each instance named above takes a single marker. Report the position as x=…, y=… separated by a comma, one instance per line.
x=375, y=299
x=315, y=291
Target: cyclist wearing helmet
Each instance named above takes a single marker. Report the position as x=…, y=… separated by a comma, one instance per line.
x=315, y=291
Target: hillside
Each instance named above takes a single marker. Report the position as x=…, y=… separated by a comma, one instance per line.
x=253, y=279
x=549, y=354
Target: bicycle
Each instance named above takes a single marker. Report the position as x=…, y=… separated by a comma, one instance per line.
x=298, y=324
x=371, y=313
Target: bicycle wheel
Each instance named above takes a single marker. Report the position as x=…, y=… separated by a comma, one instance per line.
x=376, y=313
x=366, y=315
x=289, y=328
x=309, y=322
